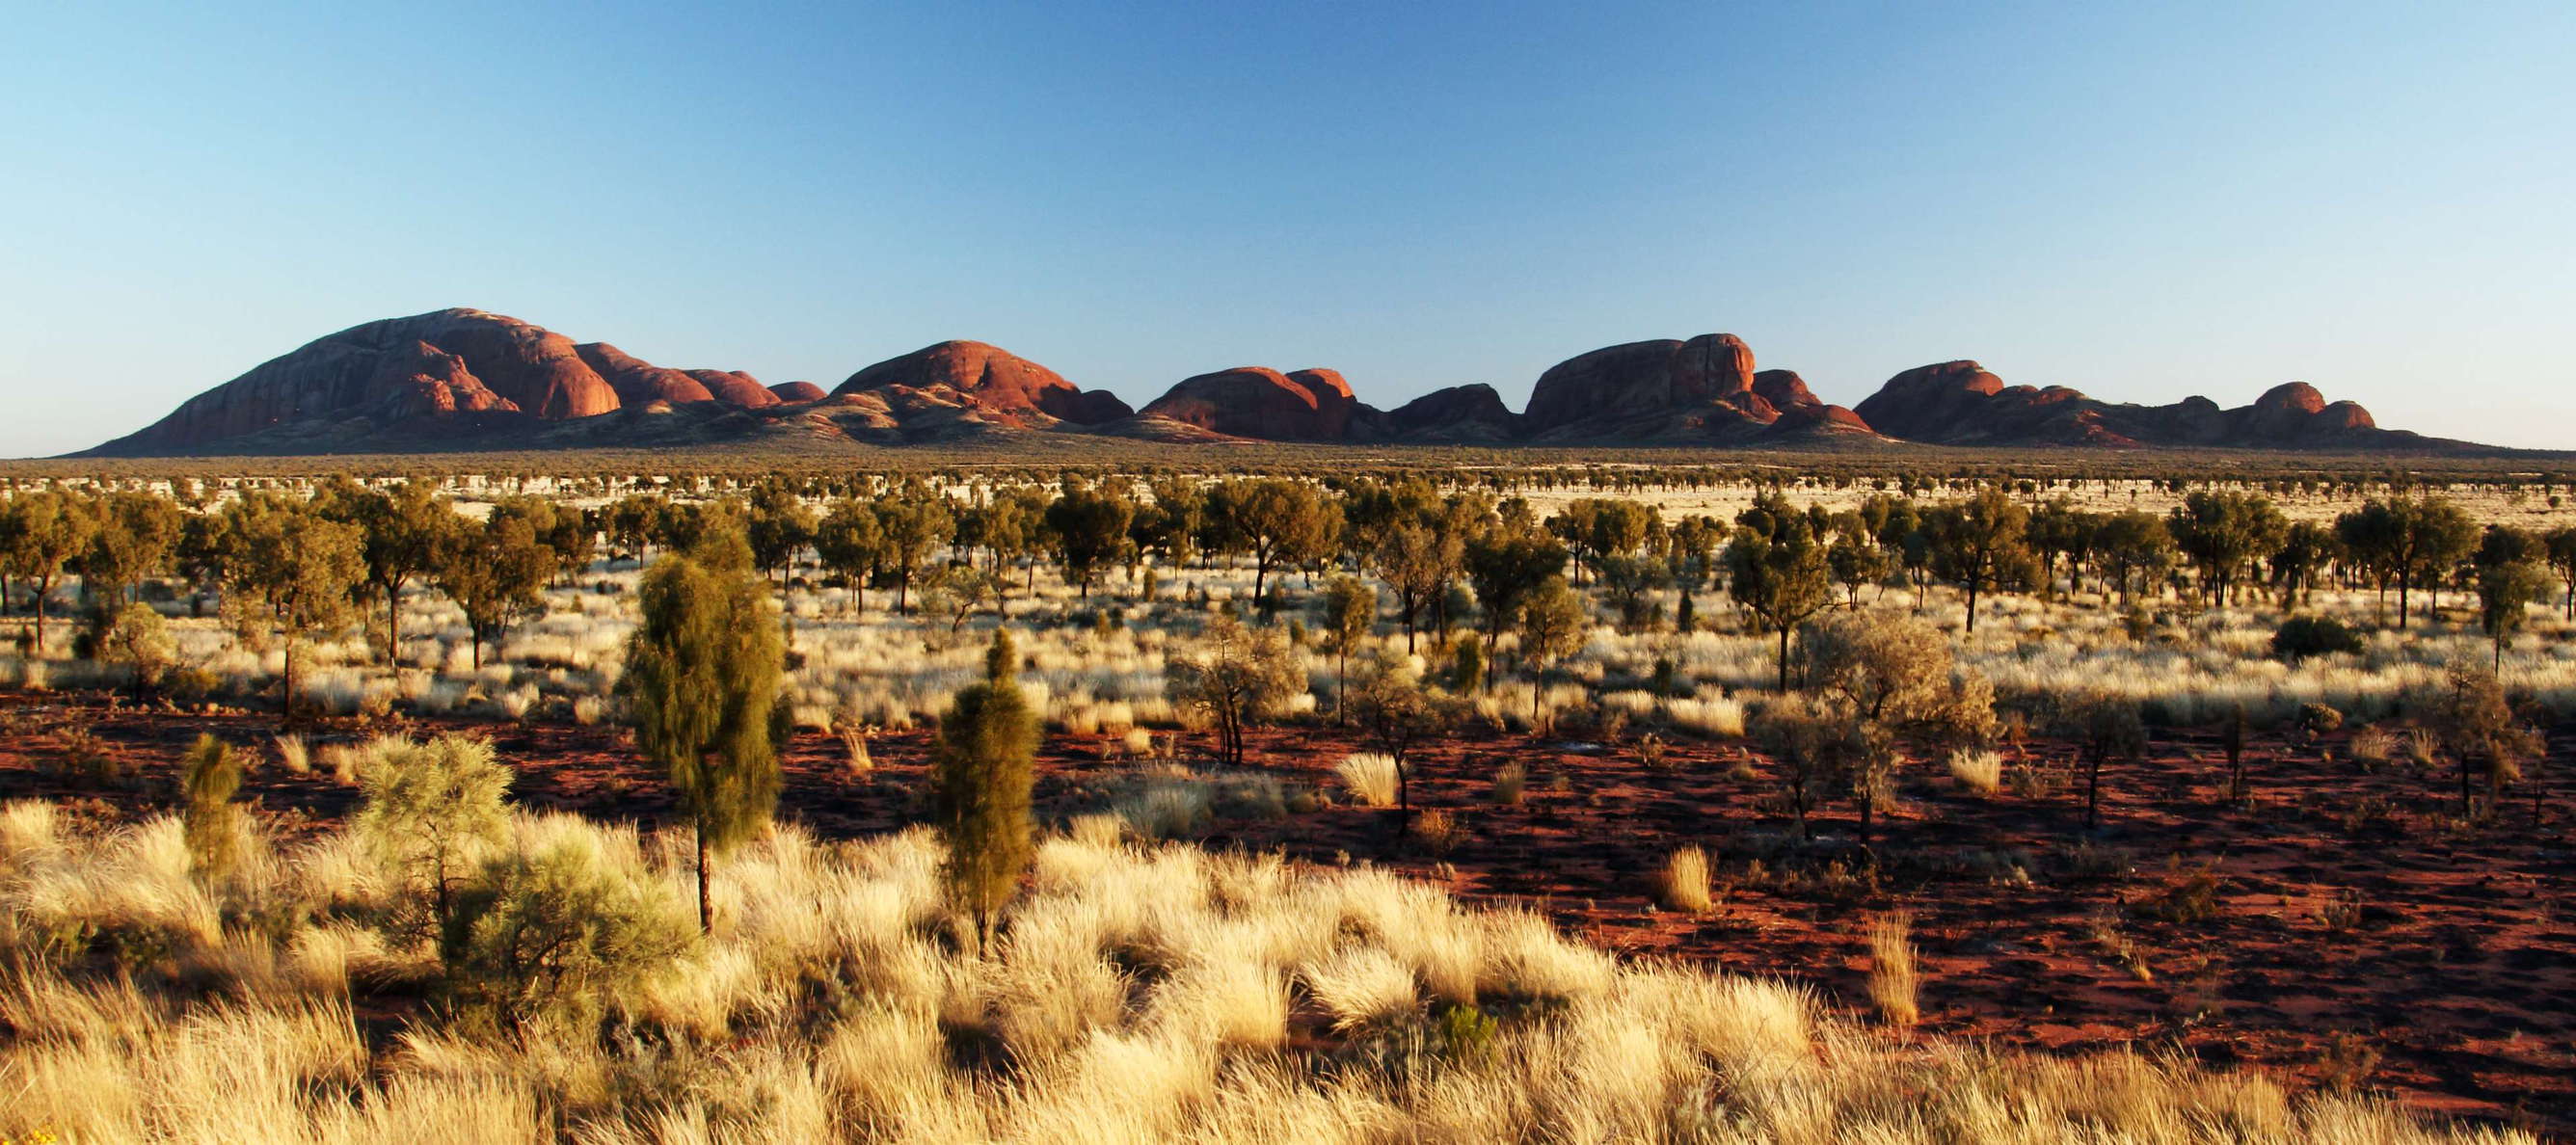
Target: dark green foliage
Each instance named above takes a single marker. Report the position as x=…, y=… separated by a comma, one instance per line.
x=430, y=807
x=703, y=670
x=982, y=766
x=1089, y=526
x=209, y=777
x=559, y=928
x=2300, y=637
x=1777, y=570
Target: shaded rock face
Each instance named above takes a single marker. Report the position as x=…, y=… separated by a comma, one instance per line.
x=1960, y=403
x=991, y=380
x=1458, y=413
x=1620, y=383
x=640, y=383
x=1259, y=402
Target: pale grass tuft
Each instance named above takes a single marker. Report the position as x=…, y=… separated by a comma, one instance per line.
x=1682, y=884
x=1980, y=772
x=293, y=755
x=1371, y=777
x=1892, y=981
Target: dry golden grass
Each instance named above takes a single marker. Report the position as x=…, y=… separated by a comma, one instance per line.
x=1138, y=994
x=1371, y=778
x=1980, y=772
x=1682, y=884
x=1893, y=985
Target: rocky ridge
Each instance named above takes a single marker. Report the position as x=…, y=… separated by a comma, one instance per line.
x=465, y=378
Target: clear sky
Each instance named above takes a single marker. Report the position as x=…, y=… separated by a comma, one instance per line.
x=2142, y=201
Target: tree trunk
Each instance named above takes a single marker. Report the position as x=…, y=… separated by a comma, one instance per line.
x=1972, y=606
x=706, y=920
x=1784, y=658
x=2093, y=794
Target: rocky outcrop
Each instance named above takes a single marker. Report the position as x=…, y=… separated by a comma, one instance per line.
x=1259, y=402
x=1704, y=389
x=641, y=383
x=999, y=385
x=1961, y=403
x=468, y=379
x=1459, y=413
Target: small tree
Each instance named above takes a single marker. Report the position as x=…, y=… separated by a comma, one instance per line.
x=912, y=524
x=138, y=638
x=1089, y=526
x=290, y=574
x=703, y=669
x=849, y=543
x=1809, y=742
x=44, y=530
x=1979, y=542
x=212, y=823
x=779, y=527
x=2105, y=728
x=1397, y=713
x=1507, y=565
x=1348, y=610
x=1552, y=624
x=1238, y=678
x=2505, y=593
x=981, y=767
x=430, y=809
x=1779, y=575
x=2475, y=724
x=496, y=572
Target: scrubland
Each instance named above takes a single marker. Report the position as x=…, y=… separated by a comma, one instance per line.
x=1593, y=919
x=1141, y=994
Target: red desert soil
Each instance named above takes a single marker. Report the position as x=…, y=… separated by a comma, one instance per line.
x=2352, y=916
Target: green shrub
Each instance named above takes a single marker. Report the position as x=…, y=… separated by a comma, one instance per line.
x=209, y=777
x=431, y=808
x=553, y=930
x=2300, y=637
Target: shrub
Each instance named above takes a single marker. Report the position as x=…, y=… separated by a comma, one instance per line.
x=1438, y=831
x=1682, y=884
x=136, y=637
x=553, y=930
x=1508, y=782
x=430, y=810
x=209, y=777
x=1892, y=982
x=1371, y=777
x=2319, y=719
x=2301, y=637
x=981, y=764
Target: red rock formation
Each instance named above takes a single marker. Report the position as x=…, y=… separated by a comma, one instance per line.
x=1617, y=385
x=1259, y=402
x=641, y=383
x=990, y=379
x=735, y=388
x=1458, y=413
x=1959, y=403
x=794, y=393
x=443, y=363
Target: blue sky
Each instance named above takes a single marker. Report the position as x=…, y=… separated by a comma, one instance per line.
x=2142, y=201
